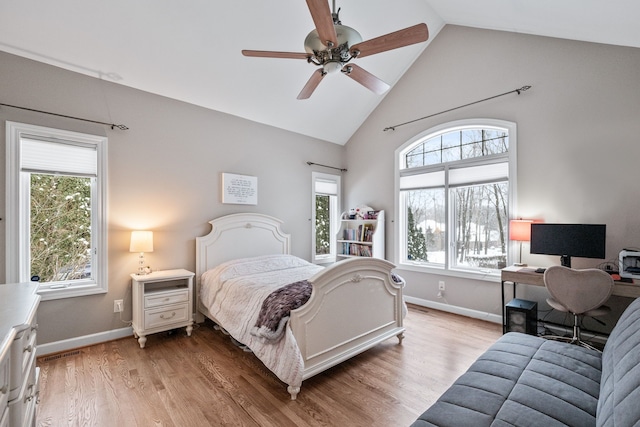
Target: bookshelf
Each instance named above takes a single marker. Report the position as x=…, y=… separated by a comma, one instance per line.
x=361, y=237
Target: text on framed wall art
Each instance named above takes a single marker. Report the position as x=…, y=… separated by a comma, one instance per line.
x=239, y=189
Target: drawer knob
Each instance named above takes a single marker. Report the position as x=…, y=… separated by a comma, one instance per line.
x=4, y=389
x=28, y=349
x=162, y=316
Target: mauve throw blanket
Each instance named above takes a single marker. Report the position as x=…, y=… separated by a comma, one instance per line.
x=276, y=309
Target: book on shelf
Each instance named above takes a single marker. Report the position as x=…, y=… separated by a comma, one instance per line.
x=364, y=233
x=355, y=249
x=367, y=233
x=365, y=250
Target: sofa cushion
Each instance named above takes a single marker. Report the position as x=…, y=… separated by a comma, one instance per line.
x=522, y=380
x=620, y=389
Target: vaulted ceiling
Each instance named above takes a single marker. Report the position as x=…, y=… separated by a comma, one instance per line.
x=190, y=50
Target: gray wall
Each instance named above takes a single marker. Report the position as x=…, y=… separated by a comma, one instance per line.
x=578, y=137
x=164, y=175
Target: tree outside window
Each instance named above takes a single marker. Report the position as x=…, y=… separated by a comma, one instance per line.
x=60, y=227
x=325, y=208
x=323, y=225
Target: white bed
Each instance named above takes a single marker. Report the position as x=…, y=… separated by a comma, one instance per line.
x=355, y=304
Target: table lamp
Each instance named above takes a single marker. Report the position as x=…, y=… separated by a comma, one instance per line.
x=520, y=231
x=141, y=242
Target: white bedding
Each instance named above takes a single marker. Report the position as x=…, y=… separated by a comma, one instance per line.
x=234, y=291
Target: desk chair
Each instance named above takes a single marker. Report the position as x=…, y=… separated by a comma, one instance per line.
x=579, y=292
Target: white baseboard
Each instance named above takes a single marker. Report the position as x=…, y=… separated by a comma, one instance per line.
x=73, y=343
x=489, y=317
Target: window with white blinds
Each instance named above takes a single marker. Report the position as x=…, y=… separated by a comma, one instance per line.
x=325, y=216
x=58, y=157
x=454, y=176
x=57, y=221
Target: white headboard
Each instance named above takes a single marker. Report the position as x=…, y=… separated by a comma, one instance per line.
x=240, y=236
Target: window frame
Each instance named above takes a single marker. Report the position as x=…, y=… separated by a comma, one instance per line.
x=400, y=223
x=335, y=213
x=18, y=222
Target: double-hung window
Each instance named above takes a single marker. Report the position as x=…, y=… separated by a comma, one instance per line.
x=326, y=198
x=455, y=191
x=56, y=216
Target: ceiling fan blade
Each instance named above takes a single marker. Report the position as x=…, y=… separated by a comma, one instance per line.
x=312, y=84
x=323, y=21
x=270, y=54
x=411, y=35
x=365, y=78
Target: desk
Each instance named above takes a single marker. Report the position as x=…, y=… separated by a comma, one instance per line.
x=528, y=276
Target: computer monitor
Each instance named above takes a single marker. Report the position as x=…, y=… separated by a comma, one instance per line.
x=568, y=240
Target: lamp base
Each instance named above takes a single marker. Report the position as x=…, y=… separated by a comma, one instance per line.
x=520, y=264
x=141, y=269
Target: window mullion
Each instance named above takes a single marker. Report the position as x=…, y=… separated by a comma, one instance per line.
x=448, y=214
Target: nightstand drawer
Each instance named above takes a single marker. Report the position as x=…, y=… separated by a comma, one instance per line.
x=166, y=316
x=166, y=298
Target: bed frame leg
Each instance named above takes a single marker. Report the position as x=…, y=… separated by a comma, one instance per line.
x=293, y=391
x=400, y=337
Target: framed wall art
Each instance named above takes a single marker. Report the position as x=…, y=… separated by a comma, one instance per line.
x=239, y=189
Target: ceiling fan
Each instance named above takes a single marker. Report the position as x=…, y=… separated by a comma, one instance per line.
x=332, y=46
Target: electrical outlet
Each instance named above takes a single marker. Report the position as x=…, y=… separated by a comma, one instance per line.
x=441, y=285
x=118, y=306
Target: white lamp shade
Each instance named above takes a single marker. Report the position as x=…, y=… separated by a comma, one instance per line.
x=141, y=241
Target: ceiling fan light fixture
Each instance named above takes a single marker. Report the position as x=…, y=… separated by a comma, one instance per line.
x=332, y=67
x=345, y=34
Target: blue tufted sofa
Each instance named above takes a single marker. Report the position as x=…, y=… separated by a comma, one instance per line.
x=523, y=380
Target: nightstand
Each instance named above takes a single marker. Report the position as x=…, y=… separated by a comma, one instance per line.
x=162, y=300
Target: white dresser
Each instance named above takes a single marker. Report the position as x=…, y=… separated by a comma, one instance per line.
x=162, y=301
x=18, y=372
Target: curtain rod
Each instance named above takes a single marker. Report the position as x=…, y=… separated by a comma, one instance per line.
x=325, y=166
x=121, y=127
x=518, y=91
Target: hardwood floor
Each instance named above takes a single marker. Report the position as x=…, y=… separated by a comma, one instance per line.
x=205, y=380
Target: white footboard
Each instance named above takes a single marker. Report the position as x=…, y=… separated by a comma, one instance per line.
x=355, y=305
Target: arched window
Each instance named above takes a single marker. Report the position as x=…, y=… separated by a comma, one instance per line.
x=455, y=188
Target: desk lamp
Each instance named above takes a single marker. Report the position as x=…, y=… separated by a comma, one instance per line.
x=520, y=231
x=141, y=241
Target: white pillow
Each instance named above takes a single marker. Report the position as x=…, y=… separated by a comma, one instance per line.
x=255, y=265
